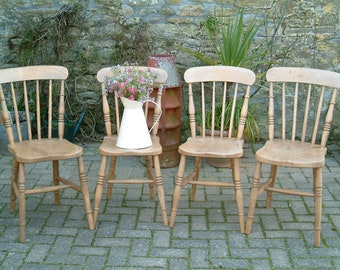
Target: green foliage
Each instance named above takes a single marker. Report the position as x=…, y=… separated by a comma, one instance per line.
x=233, y=41
x=230, y=39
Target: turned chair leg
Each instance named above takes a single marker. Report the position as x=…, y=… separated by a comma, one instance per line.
x=149, y=165
x=99, y=188
x=22, y=202
x=111, y=175
x=15, y=176
x=177, y=191
x=238, y=191
x=253, y=197
x=317, y=172
x=195, y=176
x=160, y=189
x=272, y=177
x=55, y=165
x=85, y=192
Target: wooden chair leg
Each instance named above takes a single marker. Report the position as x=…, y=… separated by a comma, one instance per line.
x=99, y=188
x=253, y=196
x=15, y=171
x=178, y=190
x=150, y=175
x=160, y=189
x=317, y=172
x=195, y=175
x=111, y=175
x=22, y=201
x=85, y=192
x=272, y=176
x=55, y=165
x=238, y=191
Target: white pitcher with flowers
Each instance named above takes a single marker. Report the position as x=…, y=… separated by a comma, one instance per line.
x=133, y=86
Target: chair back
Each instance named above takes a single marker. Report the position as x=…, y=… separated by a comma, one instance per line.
x=218, y=100
x=34, y=94
x=303, y=101
x=112, y=126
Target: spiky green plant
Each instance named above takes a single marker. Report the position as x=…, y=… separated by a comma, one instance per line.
x=231, y=41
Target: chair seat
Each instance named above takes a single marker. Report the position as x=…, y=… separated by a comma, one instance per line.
x=212, y=147
x=292, y=154
x=109, y=148
x=44, y=150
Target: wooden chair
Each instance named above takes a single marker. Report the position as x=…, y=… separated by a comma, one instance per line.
x=109, y=150
x=219, y=84
x=33, y=88
x=304, y=102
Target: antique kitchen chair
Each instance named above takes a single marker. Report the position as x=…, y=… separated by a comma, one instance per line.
x=214, y=84
x=31, y=90
x=110, y=152
x=303, y=100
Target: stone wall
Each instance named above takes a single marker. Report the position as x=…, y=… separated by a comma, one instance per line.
x=111, y=33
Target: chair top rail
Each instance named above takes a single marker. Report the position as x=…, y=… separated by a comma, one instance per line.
x=304, y=75
x=28, y=73
x=219, y=74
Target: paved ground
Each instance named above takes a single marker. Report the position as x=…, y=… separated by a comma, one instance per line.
x=130, y=234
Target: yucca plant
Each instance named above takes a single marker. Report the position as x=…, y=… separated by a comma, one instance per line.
x=231, y=41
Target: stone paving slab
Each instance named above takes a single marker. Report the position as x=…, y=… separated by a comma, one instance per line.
x=130, y=233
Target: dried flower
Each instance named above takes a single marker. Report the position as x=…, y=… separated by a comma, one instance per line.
x=130, y=82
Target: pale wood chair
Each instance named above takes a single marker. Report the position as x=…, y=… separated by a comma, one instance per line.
x=34, y=87
x=110, y=151
x=304, y=102
x=217, y=84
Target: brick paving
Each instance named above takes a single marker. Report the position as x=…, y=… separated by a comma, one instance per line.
x=130, y=234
